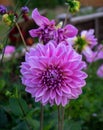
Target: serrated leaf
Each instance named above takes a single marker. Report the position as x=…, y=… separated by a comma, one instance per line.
x=15, y=107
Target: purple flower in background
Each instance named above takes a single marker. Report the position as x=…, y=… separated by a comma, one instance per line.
x=99, y=52
x=100, y=71
x=3, y=9
x=45, y=32
x=89, y=37
x=53, y=74
x=48, y=31
x=25, y=9
x=68, y=31
x=9, y=49
x=84, y=44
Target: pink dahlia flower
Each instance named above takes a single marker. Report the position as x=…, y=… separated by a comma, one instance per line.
x=99, y=52
x=48, y=31
x=9, y=49
x=89, y=37
x=53, y=74
x=100, y=71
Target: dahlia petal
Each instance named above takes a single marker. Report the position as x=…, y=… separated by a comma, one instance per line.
x=66, y=89
x=39, y=19
x=46, y=97
x=59, y=92
x=40, y=92
x=50, y=50
x=52, y=94
x=37, y=99
x=76, y=92
x=35, y=32
x=57, y=100
x=64, y=101
x=70, y=31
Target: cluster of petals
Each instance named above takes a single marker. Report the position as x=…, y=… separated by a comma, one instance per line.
x=91, y=42
x=3, y=9
x=47, y=29
x=24, y=9
x=53, y=74
x=9, y=49
x=100, y=71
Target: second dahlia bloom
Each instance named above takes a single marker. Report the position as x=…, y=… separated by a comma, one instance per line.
x=53, y=74
x=49, y=31
x=9, y=49
x=100, y=71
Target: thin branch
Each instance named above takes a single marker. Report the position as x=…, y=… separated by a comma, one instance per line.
x=41, y=117
x=21, y=35
x=59, y=118
x=62, y=119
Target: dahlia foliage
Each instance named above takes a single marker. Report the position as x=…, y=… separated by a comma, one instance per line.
x=52, y=73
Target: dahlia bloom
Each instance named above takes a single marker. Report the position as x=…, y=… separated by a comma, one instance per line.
x=48, y=31
x=53, y=74
x=100, y=71
x=24, y=9
x=89, y=37
x=3, y=9
x=85, y=43
x=99, y=52
x=9, y=49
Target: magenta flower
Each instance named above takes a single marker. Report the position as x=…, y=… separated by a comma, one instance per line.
x=48, y=31
x=3, y=9
x=45, y=32
x=84, y=44
x=24, y=9
x=61, y=34
x=53, y=74
x=89, y=37
x=99, y=52
x=100, y=71
x=9, y=49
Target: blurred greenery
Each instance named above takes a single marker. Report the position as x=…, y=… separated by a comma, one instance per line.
x=41, y=4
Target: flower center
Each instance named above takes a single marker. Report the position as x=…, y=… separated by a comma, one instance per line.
x=52, y=77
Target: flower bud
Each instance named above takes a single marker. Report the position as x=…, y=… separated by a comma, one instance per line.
x=74, y=6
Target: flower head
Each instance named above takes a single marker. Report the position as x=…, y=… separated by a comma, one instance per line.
x=24, y=9
x=53, y=74
x=100, y=71
x=3, y=9
x=85, y=43
x=74, y=6
x=46, y=27
x=9, y=49
x=9, y=18
x=49, y=31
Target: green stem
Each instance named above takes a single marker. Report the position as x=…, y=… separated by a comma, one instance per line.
x=24, y=114
x=62, y=120
x=59, y=118
x=21, y=35
x=41, y=117
x=66, y=18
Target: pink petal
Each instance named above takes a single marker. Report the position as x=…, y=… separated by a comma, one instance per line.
x=70, y=31
x=39, y=19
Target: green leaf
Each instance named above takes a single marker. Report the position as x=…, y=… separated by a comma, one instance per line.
x=2, y=84
x=72, y=125
x=23, y=105
x=21, y=126
x=3, y=118
x=15, y=107
x=33, y=123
